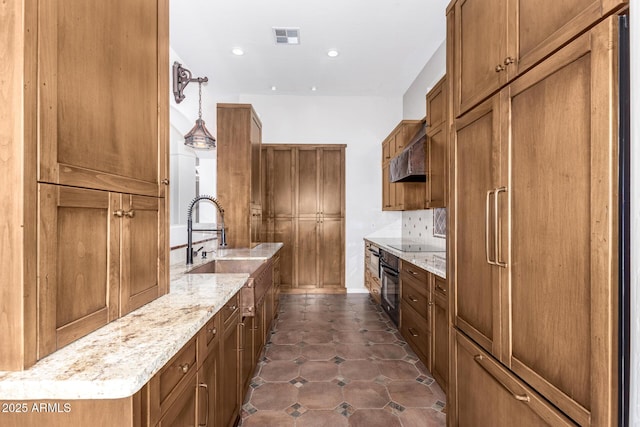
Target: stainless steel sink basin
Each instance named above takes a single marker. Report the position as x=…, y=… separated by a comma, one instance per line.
x=228, y=266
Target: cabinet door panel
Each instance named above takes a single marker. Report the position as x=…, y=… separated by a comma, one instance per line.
x=563, y=182
x=308, y=185
x=480, y=35
x=282, y=179
x=387, y=204
x=486, y=394
x=437, y=167
x=307, y=253
x=141, y=251
x=332, y=183
x=207, y=375
x=440, y=343
x=540, y=27
x=331, y=253
x=79, y=240
x=228, y=380
x=477, y=166
x=283, y=232
x=89, y=136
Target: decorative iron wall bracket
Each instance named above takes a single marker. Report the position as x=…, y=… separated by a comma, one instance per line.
x=181, y=78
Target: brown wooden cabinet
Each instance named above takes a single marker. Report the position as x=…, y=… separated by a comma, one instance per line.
x=440, y=333
x=494, y=43
x=239, y=173
x=208, y=370
x=304, y=209
x=416, y=310
x=99, y=114
x=536, y=184
x=229, y=378
x=398, y=196
x=103, y=259
x=487, y=394
x=80, y=121
x=437, y=146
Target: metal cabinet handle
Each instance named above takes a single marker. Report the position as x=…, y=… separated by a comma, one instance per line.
x=441, y=289
x=521, y=397
x=119, y=213
x=130, y=214
x=413, y=332
x=508, y=61
x=213, y=331
x=412, y=298
x=165, y=181
x=184, y=368
x=206, y=418
x=413, y=273
x=499, y=68
x=487, y=226
x=497, y=236
x=233, y=307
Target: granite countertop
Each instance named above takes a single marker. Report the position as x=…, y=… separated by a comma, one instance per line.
x=118, y=359
x=434, y=262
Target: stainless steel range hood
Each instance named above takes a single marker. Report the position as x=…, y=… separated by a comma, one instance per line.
x=410, y=164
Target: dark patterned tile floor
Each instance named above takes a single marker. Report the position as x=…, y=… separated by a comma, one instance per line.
x=337, y=360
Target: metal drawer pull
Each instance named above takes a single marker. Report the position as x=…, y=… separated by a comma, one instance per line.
x=130, y=214
x=413, y=332
x=521, y=397
x=213, y=330
x=206, y=418
x=441, y=289
x=119, y=213
x=412, y=298
x=233, y=307
x=497, y=236
x=412, y=272
x=487, y=226
x=184, y=368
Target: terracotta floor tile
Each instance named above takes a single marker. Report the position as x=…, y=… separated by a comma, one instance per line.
x=388, y=351
x=320, y=395
x=319, y=371
x=274, y=396
x=350, y=337
x=380, y=337
x=279, y=370
x=354, y=351
x=397, y=369
x=374, y=325
x=346, y=325
x=373, y=418
x=319, y=351
x=282, y=352
x=366, y=394
x=269, y=419
x=321, y=418
x=355, y=370
x=287, y=337
x=411, y=394
x=422, y=417
x=318, y=337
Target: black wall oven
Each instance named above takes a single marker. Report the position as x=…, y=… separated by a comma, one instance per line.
x=390, y=277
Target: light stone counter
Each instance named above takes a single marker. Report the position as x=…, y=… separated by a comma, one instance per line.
x=434, y=262
x=118, y=359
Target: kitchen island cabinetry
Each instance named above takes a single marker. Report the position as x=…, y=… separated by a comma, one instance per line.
x=524, y=189
x=498, y=41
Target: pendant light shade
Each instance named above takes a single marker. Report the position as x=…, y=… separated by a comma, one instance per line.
x=199, y=137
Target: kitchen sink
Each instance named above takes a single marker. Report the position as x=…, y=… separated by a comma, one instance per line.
x=228, y=266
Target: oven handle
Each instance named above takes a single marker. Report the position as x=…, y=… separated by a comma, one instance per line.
x=374, y=252
x=388, y=270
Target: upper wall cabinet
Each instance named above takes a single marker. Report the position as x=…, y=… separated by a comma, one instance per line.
x=102, y=94
x=499, y=40
x=437, y=146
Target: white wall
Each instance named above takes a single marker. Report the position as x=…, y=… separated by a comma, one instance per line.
x=414, y=99
x=359, y=122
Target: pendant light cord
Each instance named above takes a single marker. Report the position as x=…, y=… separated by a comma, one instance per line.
x=200, y=100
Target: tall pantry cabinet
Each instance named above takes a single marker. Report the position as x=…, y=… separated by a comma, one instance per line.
x=533, y=217
x=84, y=120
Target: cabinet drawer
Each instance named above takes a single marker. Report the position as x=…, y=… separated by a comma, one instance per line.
x=415, y=295
x=182, y=410
x=230, y=308
x=208, y=338
x=440, y=286
x=410, y=270
x=489, y=394
x=415, y=331
x=176, y=369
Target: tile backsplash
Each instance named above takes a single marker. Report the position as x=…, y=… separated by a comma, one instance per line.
x=425, y=226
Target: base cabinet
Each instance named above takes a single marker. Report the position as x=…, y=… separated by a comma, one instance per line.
x=229, y=377
x=504, y=398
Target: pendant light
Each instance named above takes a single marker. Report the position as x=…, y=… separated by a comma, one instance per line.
x=199, y=137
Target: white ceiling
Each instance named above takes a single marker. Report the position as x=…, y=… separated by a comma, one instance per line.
x=383, y=44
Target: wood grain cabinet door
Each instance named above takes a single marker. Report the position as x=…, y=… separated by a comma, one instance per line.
x=229, y=377
x=479, y=48
x=78, y=277
x=332, y=181
x=102, y=102
x=207, y=388
x=330, y=253
x=477, y=277
x=306, y=252
x=142, y=251
x=307, y=182
x=563, y=192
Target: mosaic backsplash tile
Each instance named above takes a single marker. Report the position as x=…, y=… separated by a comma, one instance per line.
x=425, y=226
x=440, y=222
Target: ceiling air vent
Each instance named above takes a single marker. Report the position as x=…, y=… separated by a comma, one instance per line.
x=287, y=35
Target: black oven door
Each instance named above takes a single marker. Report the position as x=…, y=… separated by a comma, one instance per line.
x=390, y=292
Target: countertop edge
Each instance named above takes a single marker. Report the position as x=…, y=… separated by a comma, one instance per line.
x=423, y=260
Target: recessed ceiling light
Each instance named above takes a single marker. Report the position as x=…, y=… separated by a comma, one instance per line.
x=273, y=88
x=237, y=51
x=313, y=88
x=332, y=53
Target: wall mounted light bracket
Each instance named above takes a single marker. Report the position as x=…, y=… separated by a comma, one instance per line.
x=181, y=78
